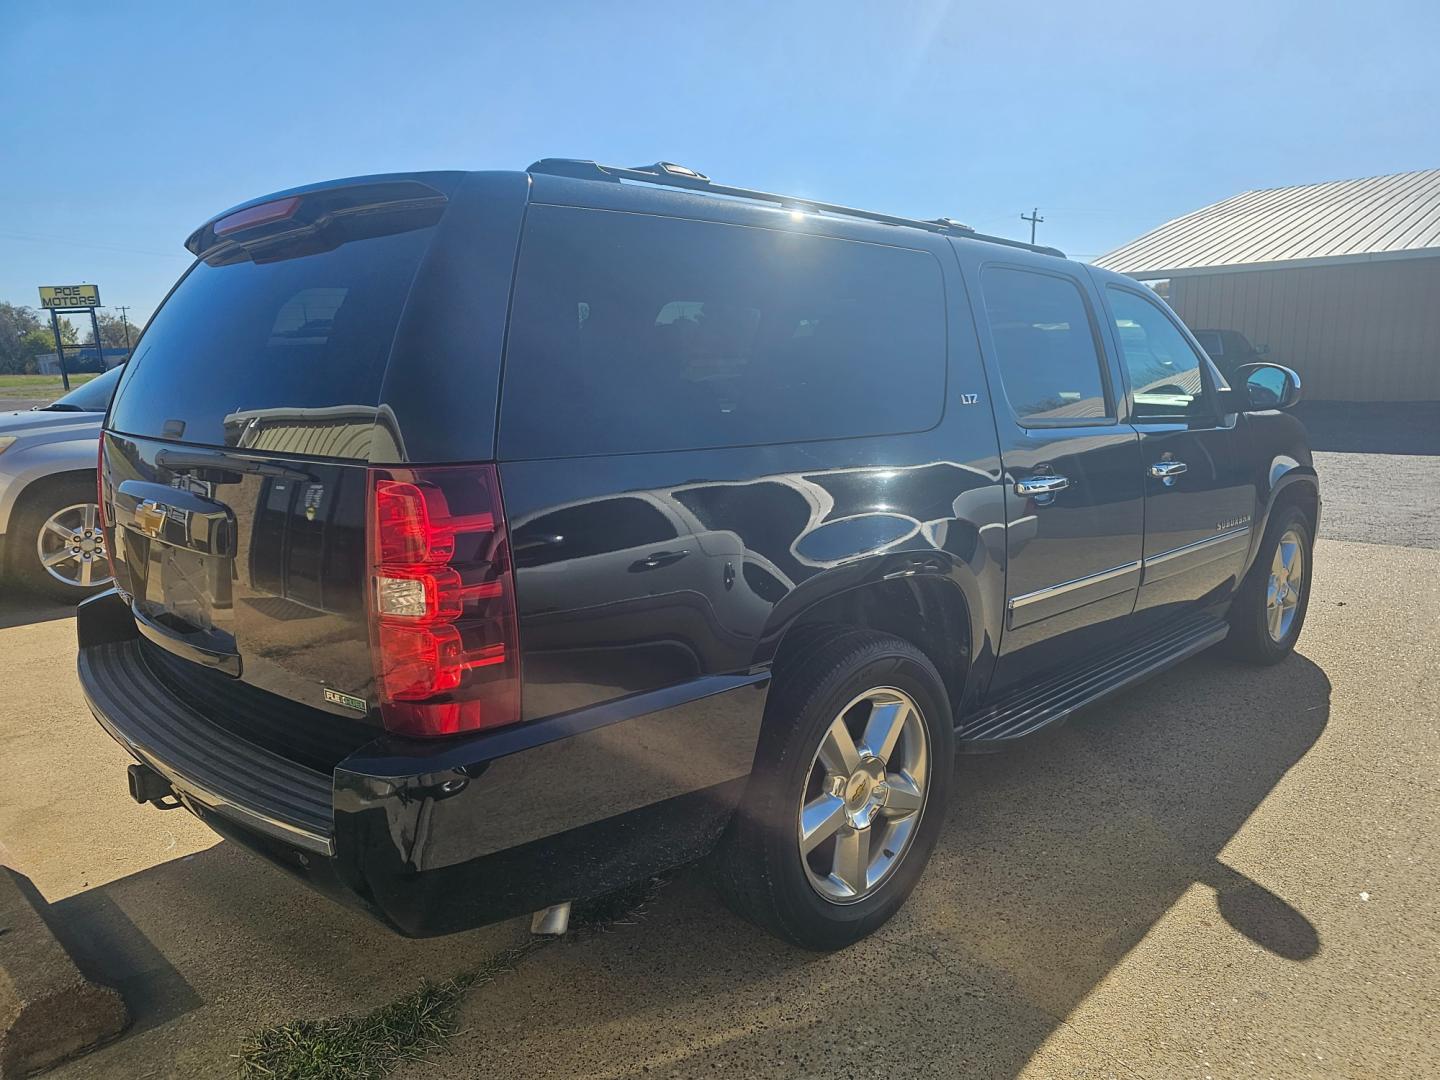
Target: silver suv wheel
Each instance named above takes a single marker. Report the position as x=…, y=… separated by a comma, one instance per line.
x=864, y=795
x=1287, y=581
x=71, y=546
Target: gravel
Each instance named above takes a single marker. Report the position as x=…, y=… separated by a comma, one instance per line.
x=1377, y=470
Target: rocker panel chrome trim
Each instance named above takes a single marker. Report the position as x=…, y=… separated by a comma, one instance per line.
x=1200, y=553
x=1035, y=605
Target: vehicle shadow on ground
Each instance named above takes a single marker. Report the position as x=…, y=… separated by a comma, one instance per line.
x=1057, y=859
x=1372, y=427
x=21, y=608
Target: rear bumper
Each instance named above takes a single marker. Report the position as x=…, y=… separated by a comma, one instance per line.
x=206, y=766
x=437, y=836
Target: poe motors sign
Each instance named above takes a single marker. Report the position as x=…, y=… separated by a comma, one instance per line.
x=72, y=299
x=69, y=297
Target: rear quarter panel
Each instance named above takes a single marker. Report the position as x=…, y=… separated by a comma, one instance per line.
x=765, y=531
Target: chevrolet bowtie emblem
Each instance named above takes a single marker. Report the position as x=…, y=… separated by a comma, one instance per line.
x=150, y=517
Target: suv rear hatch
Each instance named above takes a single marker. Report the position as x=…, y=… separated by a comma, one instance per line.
x=234, y=463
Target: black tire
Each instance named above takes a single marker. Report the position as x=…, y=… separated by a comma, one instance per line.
x=760, y=869
x=23, y=565
x=1251, y=639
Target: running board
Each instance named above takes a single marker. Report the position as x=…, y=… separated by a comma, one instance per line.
x=1028, y=709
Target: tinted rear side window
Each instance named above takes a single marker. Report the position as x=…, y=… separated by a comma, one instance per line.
x=636, y=333
x=244, y=347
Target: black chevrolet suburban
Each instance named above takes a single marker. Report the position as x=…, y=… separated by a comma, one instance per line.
x=487, y=540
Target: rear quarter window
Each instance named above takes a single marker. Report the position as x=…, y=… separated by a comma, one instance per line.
x=634, y=333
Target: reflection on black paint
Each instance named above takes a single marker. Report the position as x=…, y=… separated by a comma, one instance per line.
x=592, y=625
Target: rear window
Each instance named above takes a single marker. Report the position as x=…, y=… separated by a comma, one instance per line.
x=637, y=333
x=1210, y=342
x=243, y=352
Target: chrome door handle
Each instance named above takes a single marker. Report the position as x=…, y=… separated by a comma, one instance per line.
x=657, y=559
x=1168, y=471
x=1041, y=484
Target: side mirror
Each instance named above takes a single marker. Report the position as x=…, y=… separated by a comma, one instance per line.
x=1268, y=386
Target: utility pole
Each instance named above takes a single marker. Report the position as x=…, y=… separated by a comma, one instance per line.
x=126, y=324
x=1034, y=219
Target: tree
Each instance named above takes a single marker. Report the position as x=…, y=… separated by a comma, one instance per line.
x=15, y=323
x=112, y=332
x=25, y=335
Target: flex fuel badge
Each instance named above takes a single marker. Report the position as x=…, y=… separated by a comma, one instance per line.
x=347, y=700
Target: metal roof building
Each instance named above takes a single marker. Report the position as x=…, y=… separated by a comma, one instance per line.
x=1340, y=280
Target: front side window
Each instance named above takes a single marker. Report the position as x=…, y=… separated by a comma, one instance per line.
x=1045, y=345
x=634, y=333
x=1164, y=369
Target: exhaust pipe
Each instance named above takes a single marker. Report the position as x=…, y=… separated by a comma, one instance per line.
x=552, y=921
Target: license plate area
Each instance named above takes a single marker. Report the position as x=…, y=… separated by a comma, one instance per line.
x=177, y=550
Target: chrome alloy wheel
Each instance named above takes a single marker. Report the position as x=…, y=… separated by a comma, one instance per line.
x=864, y=795
x=71, y=546
x=1287, y=581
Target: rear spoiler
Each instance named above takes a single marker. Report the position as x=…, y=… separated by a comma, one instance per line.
x=313, y=209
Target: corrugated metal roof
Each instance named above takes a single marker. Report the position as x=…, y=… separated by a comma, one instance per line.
x=1349, y=220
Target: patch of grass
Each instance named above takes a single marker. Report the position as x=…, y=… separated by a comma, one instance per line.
x=368, y=1047
x=25, y=386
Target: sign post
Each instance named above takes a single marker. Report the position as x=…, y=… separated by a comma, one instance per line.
x=72, y=300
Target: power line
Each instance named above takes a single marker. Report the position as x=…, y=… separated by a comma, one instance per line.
x=97, y=247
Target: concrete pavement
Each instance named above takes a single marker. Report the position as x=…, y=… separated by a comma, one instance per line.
x=1230, y=872
x=1227, y=872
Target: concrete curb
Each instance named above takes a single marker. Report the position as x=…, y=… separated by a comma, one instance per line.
x=48, y=1010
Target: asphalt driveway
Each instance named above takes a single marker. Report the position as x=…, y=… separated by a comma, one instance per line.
x=1228, y=872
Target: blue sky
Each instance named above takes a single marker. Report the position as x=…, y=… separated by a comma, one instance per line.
x=125, y=126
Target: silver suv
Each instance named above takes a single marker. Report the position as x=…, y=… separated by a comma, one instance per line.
x=50, y=536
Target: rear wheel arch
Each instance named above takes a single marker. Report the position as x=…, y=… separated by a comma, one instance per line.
x=25, y=526
x=930, y=612
x=42, y=487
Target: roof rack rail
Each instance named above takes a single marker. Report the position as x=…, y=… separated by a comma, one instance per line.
x=668, y=174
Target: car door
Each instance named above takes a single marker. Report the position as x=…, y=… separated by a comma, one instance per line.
x=1199, y=491
x=1074, y=490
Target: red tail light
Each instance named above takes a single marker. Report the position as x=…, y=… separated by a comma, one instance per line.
x=100, y=503
x=442, y=600
x=100, y=481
